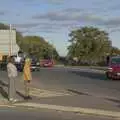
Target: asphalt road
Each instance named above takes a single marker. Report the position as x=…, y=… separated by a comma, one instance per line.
x=22, y=114
x=81, y=80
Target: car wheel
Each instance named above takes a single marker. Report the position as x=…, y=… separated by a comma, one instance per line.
x=108, y=76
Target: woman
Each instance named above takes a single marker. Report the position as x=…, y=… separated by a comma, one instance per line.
x=27, y=77
x=12, y=74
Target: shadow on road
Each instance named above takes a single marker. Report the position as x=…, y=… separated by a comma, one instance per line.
x=3, y=93
x=77, y=92
x=91, y=75
x=3, y=84
x=113, y=100
x=116, y=101
x=20, y=94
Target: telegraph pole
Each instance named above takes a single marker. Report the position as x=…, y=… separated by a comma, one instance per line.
x=10, y=41
x=52, y=49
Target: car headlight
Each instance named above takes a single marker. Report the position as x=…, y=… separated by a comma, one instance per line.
x=110, y=69
x=38, y=63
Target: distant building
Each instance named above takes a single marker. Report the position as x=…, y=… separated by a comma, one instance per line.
x=5, y=45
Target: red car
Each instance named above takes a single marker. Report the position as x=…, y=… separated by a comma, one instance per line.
x=46, y=63
x=113, y=71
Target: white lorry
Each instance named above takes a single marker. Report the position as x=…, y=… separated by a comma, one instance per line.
x=8, y=45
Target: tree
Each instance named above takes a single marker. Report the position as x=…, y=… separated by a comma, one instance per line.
x=89, y=44
x=38, y=46
x=115, y=51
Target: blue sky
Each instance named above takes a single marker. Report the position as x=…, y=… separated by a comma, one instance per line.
x=54, y=19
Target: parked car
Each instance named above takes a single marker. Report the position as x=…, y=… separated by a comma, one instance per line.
x=46, y=63
x=113, y=71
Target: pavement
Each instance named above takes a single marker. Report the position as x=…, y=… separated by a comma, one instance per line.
x=70, y=91
x=44, y=114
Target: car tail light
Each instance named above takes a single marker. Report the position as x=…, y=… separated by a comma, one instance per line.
x=110, y=69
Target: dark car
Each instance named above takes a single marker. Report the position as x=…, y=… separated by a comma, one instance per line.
x=35, y=65
x=113, y=71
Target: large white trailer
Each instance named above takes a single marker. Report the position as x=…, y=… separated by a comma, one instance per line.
x=8, y=45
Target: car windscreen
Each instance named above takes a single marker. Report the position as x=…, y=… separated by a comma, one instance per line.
x=115, y=61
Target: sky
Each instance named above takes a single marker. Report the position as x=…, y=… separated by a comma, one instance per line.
x=55, y=19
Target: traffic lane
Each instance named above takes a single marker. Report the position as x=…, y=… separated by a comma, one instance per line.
x=65, y=77
x=83, y=81
x=71, y=68
x=44, y=114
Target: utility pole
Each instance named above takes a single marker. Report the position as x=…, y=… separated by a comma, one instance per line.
x=52, y=49
x=10, y=41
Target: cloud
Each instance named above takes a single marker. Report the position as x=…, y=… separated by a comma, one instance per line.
x=38, y=27
x=114, y=30
x=26, y=25
x=111, y=22
x=29, y=2
x=38, y=31
x=2, y=12
x=55, y=1
x=72, y=14
x=65, y=19
x=32, y=32
x=106, y=6
x=45, y=25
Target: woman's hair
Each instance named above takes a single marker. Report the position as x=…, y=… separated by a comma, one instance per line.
x=11, y=59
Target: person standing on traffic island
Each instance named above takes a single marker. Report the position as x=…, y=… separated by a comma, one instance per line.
x=12, y=74
x=27, y=77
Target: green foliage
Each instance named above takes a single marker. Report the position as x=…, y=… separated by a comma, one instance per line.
x=89, y=44
x=38, y=46
x=115, y=51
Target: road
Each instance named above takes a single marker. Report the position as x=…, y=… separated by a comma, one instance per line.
x=22, y=114
x=78, y=81
x=82, y=80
